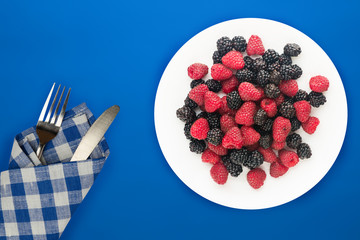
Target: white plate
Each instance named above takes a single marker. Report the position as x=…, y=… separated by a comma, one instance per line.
x=325, y=143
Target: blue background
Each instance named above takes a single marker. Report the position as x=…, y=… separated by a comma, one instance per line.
x=114, y=52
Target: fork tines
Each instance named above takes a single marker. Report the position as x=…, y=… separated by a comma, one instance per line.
x=54, y=117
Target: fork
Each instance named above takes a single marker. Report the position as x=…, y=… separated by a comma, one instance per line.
x=48, y=127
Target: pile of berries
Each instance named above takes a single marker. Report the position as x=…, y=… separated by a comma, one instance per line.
x=257, y=118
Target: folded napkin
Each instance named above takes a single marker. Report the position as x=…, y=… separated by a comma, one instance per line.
x=37, y=202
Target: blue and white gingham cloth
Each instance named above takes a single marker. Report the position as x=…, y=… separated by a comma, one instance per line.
x=37, y=202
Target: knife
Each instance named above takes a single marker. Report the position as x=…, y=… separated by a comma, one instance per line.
x=95, y=134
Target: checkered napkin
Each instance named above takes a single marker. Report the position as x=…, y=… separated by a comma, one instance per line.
x=37, y=202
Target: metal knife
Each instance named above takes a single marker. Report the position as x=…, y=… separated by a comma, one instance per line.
x=95, y=134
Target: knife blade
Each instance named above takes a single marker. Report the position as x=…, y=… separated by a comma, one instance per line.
x=95, y=134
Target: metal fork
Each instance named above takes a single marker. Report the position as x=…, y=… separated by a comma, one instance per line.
x=47, y=128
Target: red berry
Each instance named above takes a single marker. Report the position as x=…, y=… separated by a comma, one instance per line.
x=220, y=72
x=280, y=99
x=229, y=85
x=281, y=129
x=269, y=106
x=319, y=84
x=245, y=114
x=233, y=139
x=256, y=177
x=261, y=91
x=288, y=158
x=197, y=94
x=200, y=129
x=224, y=108
x=277, y=169
x=197, y=70
x=303, y=109
x=250, y=135
x=288, y=87
x=310, y=125
x=227, y=122
x=219, y=173
x=268, y=154
x=255, y=46
x=277, y=145
x=219, y=150
x=233, y=60
x=248, y=92
x=212, y=101
x=209, y=156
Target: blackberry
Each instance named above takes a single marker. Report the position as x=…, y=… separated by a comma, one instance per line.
x=217, y=56
x=289, y=99
x=270, y=56
x=259, y=64
x=304, y=151
x=275, y=77
x=214, y=120
x=260, y=117
x=267, y=126
x=194, y=83
x=301, y=95
x=285, y=60
x=316, y=99
x=224, y=45
x=234, y=169
x=254, y=160
x=286, y=72
x=245, y=75
x=197, y=146
x=287, y=110
x=215, y=136
x=239, y=156
x=202, y=115
x=239, y=43
x=249, y=63
x=265, y=141
x=214, y=85
x=295, y=124
x=260, y=130
x=186, y=114
x=190, y=103
x=274, y=66
x=297, y=71
x=271, y=90
x=293, y=140
x=233, y=100
x=292, y=49
x=187, y=128
x=262, y=78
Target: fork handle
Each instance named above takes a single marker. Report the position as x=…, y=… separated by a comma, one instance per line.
x=39, y=153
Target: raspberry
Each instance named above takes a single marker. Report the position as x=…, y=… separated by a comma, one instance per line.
x=280, y=99
x=316, y=99
x=233, y=100
x=186, y=114
x=197, y=146
x=301, y=95
x=277, y=169
x=289, y=87
x=217, y=57
x=295, y=124
x=281, y=129
x=220, y=72
x=245, y=115
x=190, y=103
x=227, y=122
x=194, y=83
x=197, y=70
x=285, y=60
x=219, y=150
x=288, y=158
x=268, y=154
x=233, y=60
x=292, y=49
x=303, y=109
x=270, y=56
x=248, y=92
x=261, y=91
x=245, y=75
x=269, y=106
x=254, y=160
x=256, y=178
x=304, y=151
x=214, y=120
x=296, y=71
x=234, y=169
x=286, y=109
x=255, y=46
x=219, y=173
x=212, y=101
x=277, y=145
x=286, y=72
x=239, y=156
x=239, y=43
x=213, y=85
x=310, y=125
x=259, y=64
x=250, y=136
x=265, y=141
x=209, y=156
x=319, y=84
x=293, y=140
x=224, y=109
x=215, y=136
x=224, y=45
x=260, y=117
x=271, y=90
x=233, y=139
x=229, y=85
x=199, y=129
x=197, y=94
x=275, y=77
x=262, y=78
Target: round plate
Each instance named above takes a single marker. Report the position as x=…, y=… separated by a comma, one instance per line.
x=237, y=193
